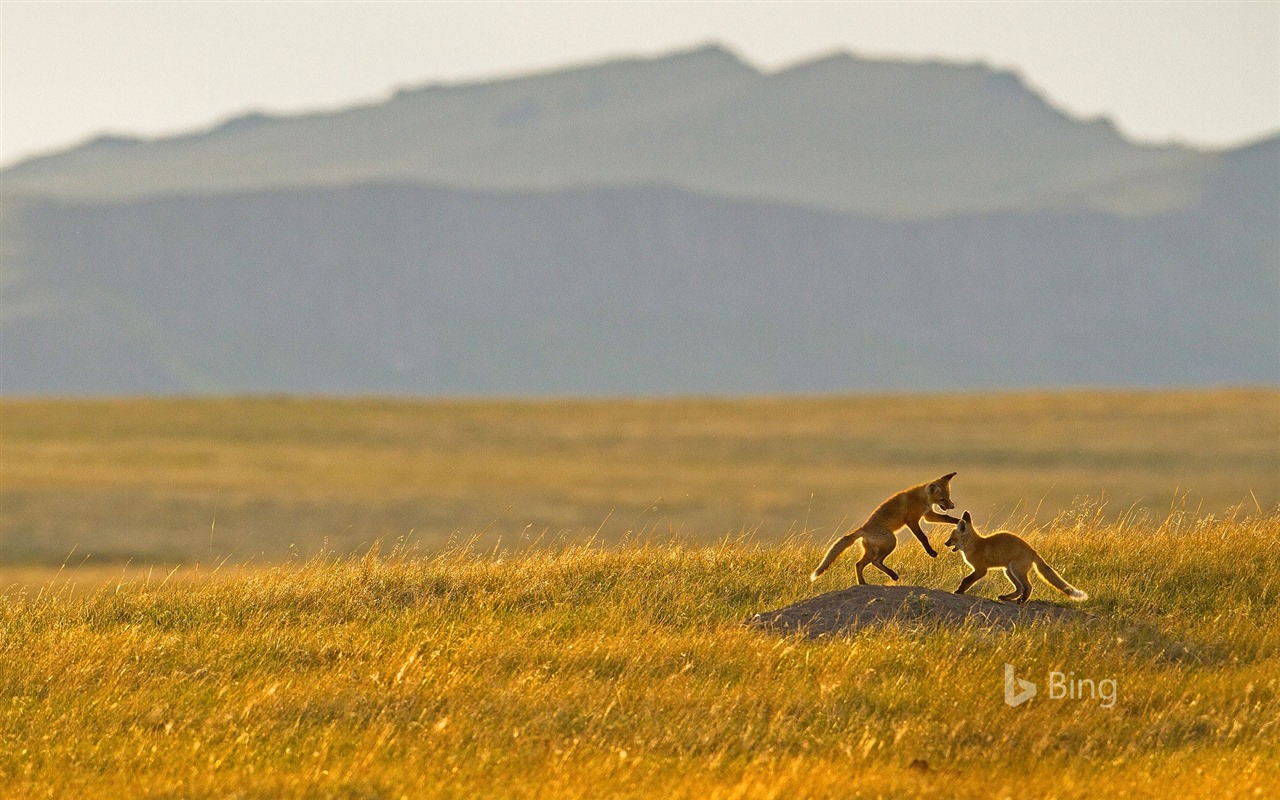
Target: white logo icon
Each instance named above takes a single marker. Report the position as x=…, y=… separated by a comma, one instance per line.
x=1016, y=690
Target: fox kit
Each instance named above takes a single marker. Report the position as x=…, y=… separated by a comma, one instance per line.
x=904, y=508
x=1004, y=551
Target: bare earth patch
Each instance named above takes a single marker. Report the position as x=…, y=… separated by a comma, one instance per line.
x=848, y=610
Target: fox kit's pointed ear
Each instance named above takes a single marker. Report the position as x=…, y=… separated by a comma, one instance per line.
x=947, y=477
x=967, y=518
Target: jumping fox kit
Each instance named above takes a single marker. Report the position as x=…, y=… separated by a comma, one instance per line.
x=904, y=508
x=1005, y=551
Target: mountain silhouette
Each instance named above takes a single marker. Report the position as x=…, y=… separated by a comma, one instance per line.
x=679, y=224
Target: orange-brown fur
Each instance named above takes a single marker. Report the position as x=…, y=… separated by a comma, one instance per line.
x=904, y=509
x=1007, y=551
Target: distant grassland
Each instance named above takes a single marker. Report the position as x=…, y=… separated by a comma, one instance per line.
x=624, y=671
x=261, y=479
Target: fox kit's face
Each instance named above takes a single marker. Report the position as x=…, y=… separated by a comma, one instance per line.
x=940, y=492
x=964, y=530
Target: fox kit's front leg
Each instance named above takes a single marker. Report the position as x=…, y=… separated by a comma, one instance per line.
x=933, y=516
x=924, y=540
x=937, y=493
x=971, y=579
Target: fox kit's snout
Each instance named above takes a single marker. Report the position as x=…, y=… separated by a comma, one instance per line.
x=952, y=543
x=906, y=508
x=1005, y=551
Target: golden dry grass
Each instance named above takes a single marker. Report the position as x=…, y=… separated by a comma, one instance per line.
x=624, y=671
x=185, y=480
x=520, y=662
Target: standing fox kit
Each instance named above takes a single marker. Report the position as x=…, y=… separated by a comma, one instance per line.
x=1004, y=551
x=906, y=508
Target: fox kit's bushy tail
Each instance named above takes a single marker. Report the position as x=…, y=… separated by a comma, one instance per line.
x=1054, y=578
x=840, y=545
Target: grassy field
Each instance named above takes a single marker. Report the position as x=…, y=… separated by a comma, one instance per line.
x=109, y=482
x=624, y=671
x=565, y=618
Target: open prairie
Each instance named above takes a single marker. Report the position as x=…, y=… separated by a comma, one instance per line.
x=566, y=619
x=259, y=480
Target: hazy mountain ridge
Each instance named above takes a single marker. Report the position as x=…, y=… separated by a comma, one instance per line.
x=685, y=224
x=832, y=133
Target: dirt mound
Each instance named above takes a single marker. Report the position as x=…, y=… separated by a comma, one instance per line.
x=848, y=610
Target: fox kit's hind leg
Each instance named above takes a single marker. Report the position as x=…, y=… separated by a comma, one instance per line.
x=1026, y=588
x=876, y=546
x=1021, y=584
x=1020, y=573
x=886, y=570
x=862, y=562
x=1017, y=590
x=875, y=559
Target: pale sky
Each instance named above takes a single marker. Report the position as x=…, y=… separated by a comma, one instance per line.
x=1201, y=73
